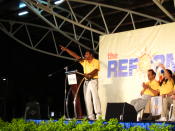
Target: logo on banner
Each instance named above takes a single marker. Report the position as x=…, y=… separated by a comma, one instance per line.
x=127, y=67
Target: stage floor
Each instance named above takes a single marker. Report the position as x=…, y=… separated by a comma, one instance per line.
x=145, y=125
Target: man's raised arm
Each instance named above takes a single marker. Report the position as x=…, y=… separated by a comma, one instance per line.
x=73, y=54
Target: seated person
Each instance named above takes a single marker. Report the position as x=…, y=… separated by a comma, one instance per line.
x=167, y=92
x=173, y=101
x=150, y=89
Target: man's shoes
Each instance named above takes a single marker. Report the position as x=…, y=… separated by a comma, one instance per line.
x=162, y=119
x=98, y=116
x=91, y=118
x=172, y=119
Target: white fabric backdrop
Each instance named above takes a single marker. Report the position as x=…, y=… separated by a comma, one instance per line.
x=125, y=58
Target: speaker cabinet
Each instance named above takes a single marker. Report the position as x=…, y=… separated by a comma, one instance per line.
x=121, y=111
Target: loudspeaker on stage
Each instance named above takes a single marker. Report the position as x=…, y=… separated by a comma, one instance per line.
x=121, y=111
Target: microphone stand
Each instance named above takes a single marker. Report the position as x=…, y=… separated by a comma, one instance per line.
x=66, y=94
x=66, y=67
x=57, y=71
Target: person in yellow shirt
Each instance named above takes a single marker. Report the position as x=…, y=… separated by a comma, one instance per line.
x=91, y=68
x=150, y=89
x=167, y=92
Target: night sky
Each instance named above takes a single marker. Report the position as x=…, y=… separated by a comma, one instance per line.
x=27, y=76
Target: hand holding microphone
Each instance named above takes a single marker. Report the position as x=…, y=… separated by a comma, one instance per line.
x=81, y=59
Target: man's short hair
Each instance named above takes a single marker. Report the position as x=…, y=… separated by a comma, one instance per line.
x=151, y=70
x=91, y=52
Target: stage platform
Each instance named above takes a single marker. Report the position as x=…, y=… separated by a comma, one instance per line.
x=125, y=124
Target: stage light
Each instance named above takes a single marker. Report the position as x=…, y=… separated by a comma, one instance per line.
x=22, y=5
x=58, y=2
x=23, y=13
x=4, y=79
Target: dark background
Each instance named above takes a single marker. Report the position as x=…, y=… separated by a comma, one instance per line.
x=27, y=73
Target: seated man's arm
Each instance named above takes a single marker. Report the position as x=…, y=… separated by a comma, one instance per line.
x=155, y=92
x=144, y=88
x=142, y=92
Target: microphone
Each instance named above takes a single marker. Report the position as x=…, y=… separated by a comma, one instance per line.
x=81, y=59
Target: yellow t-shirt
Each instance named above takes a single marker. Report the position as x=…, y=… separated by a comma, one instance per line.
x=167, y=87
x=154, y=85
x=89, y=67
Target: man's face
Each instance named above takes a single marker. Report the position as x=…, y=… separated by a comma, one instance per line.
x=88, y=55
x=150, y=75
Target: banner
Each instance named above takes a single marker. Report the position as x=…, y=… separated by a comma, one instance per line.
x=125, y=58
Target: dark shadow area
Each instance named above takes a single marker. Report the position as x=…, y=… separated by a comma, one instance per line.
x=25, y=73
